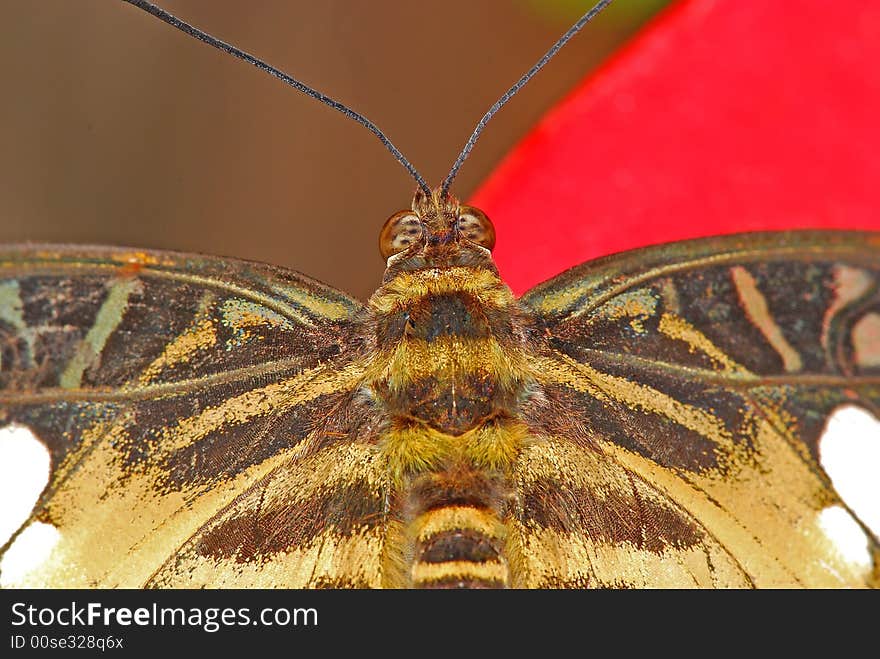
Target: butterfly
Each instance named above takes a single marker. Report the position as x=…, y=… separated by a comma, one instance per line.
x=646, y=419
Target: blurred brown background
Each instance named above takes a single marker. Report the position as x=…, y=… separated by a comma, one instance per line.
x=117, y=129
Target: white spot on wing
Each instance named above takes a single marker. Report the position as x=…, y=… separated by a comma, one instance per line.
x=849, y=451
x=24, y=472
x=30, y=549
x=848, y=537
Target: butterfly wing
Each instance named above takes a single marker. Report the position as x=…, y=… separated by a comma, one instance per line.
x=167, y=386
x=684, y=396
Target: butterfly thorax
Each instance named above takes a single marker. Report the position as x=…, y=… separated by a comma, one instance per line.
x=452, y=340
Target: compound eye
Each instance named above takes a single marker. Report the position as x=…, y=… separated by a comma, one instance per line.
x=400, y=231
x=475, y=225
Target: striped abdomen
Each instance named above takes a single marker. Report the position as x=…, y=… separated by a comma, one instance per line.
x=456, y=531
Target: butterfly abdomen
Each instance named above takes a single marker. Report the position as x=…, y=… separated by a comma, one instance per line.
x=451, y=387
x=455, y=531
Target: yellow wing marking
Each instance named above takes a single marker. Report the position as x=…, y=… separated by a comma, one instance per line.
x=767, y=516
x=354, y=559
x=12, y=313
x=241, y=314
x=139, y=523
x=758, y=312
x=139, y=518
x=866, y=341
x=639, y=303
x=581, y=557
x=677, y=328
x=556, y=558
x=760, y=501
x=200, y=336
x=603, y=386
x=562, y=299
x=277, y=398
x=11, y=306
x=333, y=468
x=317, y=305
x=850, y=284
x=106, y=321
x=324, y=554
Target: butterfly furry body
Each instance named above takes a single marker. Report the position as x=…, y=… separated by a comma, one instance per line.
x=647, y=420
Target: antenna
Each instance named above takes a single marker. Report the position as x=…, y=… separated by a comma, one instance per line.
x=193, y=31
x=183, y=26
x=519, y=84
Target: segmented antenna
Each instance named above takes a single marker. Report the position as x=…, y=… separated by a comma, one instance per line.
x=193, y=31
x=519, y=84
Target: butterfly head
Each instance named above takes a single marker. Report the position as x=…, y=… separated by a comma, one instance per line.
x=437, y=231
x=441, y=288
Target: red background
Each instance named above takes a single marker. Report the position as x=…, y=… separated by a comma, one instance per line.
x=722, y=116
